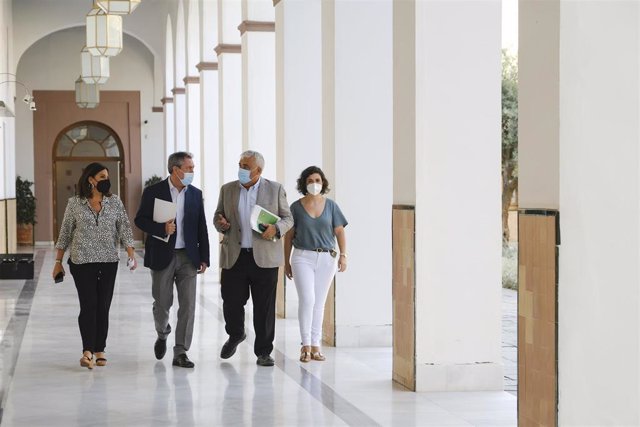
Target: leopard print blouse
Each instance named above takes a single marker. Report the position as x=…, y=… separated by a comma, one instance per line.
x=94, y=237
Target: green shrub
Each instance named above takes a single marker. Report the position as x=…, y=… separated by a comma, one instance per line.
x=25, y=202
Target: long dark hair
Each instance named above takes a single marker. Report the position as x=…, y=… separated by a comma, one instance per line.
x=302, y=181
x=84, y=188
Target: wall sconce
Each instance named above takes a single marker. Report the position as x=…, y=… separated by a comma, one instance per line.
x=28, y=98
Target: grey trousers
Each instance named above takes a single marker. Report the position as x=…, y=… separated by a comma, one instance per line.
x=184, y=273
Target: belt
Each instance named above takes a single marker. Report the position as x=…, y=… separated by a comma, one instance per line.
x=249, y=250
x=331, y=251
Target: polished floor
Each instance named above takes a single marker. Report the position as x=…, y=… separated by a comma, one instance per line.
x=43, y=384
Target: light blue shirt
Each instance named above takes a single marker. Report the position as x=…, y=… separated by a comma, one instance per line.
x=177, y=197
x=246, y=203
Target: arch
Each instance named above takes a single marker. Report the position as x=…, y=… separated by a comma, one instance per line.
x=66, y=27
x=100, y=143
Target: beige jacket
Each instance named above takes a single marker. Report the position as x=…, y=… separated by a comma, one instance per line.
x=271, y=196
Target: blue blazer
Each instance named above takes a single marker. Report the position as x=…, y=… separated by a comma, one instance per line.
x=158, y=253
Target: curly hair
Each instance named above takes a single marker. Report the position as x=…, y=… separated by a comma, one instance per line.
x=302, y=181
x=84, y=186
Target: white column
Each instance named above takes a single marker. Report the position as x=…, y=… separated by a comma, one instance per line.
x=192, y=89
x=298, y=97
x=448, y=97
x=210, y=158
x=298, y=89
x=357, y=152
x=169, y=126
x=180, y=122
x=257, y=31
x=230, y=87
x=599, y=297
x=209, y=121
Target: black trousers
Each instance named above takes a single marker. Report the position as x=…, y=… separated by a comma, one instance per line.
x=237, y=282
x=94, y=282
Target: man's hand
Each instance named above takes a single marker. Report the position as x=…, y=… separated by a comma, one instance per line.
x=223, y=223
x=203, y=267
x=270, y=231
x=170, y=227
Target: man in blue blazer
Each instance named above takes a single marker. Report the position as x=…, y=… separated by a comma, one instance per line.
x=175, y=251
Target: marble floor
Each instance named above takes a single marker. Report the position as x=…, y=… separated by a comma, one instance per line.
x=43, y=384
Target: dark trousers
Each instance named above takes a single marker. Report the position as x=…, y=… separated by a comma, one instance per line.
x=94, y=282
x=237, y=282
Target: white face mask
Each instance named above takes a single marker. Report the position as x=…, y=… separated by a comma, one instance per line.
x=314, y=188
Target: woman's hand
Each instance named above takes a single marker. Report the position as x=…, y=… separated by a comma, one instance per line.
x=287, y=270
x=57, y=268
x=342, y=263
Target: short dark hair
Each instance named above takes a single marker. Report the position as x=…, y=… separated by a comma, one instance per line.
x=302, y=181
x=177, y=159
x=84, y=186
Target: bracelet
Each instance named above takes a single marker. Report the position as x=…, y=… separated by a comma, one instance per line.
x=344, y=255
x=59, y=261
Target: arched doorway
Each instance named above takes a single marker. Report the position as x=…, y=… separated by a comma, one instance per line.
x=75, y=147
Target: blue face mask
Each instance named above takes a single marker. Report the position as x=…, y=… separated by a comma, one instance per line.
x=244, y=176
x=188, y=178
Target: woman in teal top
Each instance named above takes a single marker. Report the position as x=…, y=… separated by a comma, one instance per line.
x=318, y=224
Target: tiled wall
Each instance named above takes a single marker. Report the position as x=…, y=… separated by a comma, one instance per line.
x=537, y=318
x=404, y=360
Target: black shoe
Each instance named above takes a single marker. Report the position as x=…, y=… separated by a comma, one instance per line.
x=183, y=361
x=265, y=360
x=229, y=348
x=160, y=348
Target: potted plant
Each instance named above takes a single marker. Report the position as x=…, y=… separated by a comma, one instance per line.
x=25, y=211
x=153, y=180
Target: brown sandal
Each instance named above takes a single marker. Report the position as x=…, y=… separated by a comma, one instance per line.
x=316, y=354
x=100, y=359
x=86, y=361
x=305, y=353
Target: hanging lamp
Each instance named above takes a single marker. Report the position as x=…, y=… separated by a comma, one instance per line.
x=87, y=95
x=95, y=69
x=118, y=7
x=104, y=33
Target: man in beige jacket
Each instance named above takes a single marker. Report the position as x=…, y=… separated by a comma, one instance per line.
x=249, y=260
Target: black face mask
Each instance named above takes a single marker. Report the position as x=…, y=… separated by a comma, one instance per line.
x=103, y=186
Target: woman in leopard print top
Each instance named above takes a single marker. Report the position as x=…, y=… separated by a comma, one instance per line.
x=95, y=223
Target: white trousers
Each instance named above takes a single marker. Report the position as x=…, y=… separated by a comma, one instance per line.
x=312, y=274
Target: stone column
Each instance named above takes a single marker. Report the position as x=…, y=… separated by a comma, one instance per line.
x=230, y=87
x=169, y=126
x=357, y=157
x=539, y=203
x=209, y=121
x=298, y=105
x=257, y=31
x=180, y=114
x=192, y=88
x=446, y=195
